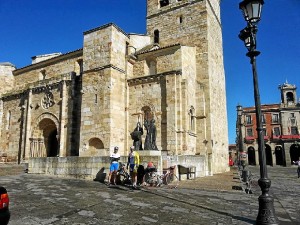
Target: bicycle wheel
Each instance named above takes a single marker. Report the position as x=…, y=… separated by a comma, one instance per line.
x=172, y=180
x=124, y=179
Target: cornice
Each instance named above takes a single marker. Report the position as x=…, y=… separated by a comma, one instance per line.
x=48, y=62
x=38, y=86
x=105, y=26
x=152, y=78
x=103, y=68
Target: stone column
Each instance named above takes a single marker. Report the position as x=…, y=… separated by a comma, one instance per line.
x=273, y=157
x=26, y=152
x=62, y=148
x=256, y=155
x=31, y=148
x=287, y=147
x=40, y=147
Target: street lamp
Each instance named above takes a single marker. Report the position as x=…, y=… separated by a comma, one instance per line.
x=252, y=11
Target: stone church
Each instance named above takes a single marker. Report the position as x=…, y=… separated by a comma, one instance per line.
x=64, y=113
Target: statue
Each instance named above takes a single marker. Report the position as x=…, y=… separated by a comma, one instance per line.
x=136, y=136
x=150, y=141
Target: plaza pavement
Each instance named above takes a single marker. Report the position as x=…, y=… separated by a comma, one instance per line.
x=40, y=199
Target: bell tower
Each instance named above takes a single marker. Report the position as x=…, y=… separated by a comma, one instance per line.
x=197, y=23
x=288, y=95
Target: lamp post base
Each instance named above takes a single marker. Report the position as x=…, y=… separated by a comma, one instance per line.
x=266, y=212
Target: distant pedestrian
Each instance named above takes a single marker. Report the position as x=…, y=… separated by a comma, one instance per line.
x=133, y=163
x=298, y=169
x=114, y=166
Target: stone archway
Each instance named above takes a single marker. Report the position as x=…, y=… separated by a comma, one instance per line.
x=44, y=139
x=294, y=152
x=268, y=152
x=279, y=155
x=95, y=144
x=94, y=147
x=251, y=156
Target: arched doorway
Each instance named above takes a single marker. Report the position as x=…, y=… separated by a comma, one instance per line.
x=44, y=141
x=251, y=156
x=279, y=155
x=268, y=152
x=295, y=152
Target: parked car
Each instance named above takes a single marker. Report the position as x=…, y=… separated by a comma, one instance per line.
x=4, y=206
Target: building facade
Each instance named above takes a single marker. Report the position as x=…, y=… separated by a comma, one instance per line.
x=83, y=103
x=280, y=129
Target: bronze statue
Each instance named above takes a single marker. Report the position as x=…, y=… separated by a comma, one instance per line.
x=136, y=136
x=150, y=141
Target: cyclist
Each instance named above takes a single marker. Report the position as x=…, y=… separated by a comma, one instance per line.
x=114, y=165
x=133, y=163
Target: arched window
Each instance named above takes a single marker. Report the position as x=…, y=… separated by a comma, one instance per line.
x=78, y=67
x=42, y=75
x=156, y=37
x=164, y=3
x=152, y=67
x=180, y=19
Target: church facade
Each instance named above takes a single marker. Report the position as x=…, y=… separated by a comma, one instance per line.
x=163, y=91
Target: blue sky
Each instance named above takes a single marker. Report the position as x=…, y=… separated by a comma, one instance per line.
x=35, y=27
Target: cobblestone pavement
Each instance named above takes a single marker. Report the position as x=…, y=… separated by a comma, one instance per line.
x=40, y=199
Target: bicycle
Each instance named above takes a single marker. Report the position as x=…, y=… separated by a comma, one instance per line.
x=156, y=180
x=170, y=178
x=123, y=177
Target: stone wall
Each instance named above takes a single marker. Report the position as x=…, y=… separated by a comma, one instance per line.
x=48, y=69
x=89, y=167
x=6, y=75
x=104, y=89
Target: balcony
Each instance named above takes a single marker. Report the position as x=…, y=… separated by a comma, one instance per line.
x=292, y=136
x=249, y=139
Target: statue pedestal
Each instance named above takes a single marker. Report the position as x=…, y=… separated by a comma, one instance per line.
x=149, y=153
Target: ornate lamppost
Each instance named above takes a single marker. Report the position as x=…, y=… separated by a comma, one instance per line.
x=252, y=11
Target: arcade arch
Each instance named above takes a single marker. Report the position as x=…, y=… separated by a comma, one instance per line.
x=294, y=152
x=251, y=156
x=279, y=155
x=268, y=152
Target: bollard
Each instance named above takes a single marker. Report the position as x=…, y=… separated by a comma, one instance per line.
x=245, y=175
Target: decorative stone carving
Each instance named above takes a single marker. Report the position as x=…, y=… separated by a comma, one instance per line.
x=48, y=100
